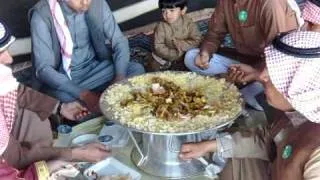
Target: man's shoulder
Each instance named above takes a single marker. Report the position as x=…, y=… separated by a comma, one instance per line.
x=42, y=4
x=41, y=7
x=98, y=5
x=99, y=9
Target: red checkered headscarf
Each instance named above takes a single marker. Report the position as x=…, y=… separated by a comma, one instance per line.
x=311, y=11
x=297, y=78
x=7, y=117
x=8, y=91
x=8, y=97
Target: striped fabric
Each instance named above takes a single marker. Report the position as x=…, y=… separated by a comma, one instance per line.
x=7, y=118
x=8, y=91
x=64, y=35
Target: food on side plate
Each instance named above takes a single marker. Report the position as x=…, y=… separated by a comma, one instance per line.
x=171, y=102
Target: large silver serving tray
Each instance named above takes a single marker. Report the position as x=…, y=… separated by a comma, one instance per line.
x=110, y=114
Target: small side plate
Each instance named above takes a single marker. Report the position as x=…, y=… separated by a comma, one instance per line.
x=110, y=167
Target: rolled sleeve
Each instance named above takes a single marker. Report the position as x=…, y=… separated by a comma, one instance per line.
x=224, y=145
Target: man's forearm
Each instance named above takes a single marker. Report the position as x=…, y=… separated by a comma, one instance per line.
x=32, y=155
x=121, y=56
x=58, y=81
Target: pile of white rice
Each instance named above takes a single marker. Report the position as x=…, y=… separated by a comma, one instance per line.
x=223, y=95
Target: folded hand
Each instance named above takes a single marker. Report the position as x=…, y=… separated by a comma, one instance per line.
x=93, y=152
x=242, y=73
x=202, y=61
x=73, y=110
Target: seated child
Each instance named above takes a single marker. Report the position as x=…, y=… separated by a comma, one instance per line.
x=173, y=36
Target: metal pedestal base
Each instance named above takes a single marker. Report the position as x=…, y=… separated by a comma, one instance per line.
x=168, y=170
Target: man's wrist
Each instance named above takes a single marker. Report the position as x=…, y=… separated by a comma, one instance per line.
x=67, y=154
x=257, y=76
x=74, y=154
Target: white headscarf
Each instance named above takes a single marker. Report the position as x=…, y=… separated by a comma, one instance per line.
x=298, y=79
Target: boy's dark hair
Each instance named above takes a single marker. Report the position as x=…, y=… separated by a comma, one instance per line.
x=170, y=4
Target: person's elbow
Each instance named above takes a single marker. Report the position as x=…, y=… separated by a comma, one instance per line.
x=41, y=72
x=121, y=42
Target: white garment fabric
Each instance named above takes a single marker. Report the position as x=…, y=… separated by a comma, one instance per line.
x=296, y=78
x=8, y=82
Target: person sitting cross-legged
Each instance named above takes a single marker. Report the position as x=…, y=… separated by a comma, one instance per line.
x=78, y=49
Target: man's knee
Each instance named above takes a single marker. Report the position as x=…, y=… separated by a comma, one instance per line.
x=135, y=69
x=190, y=57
